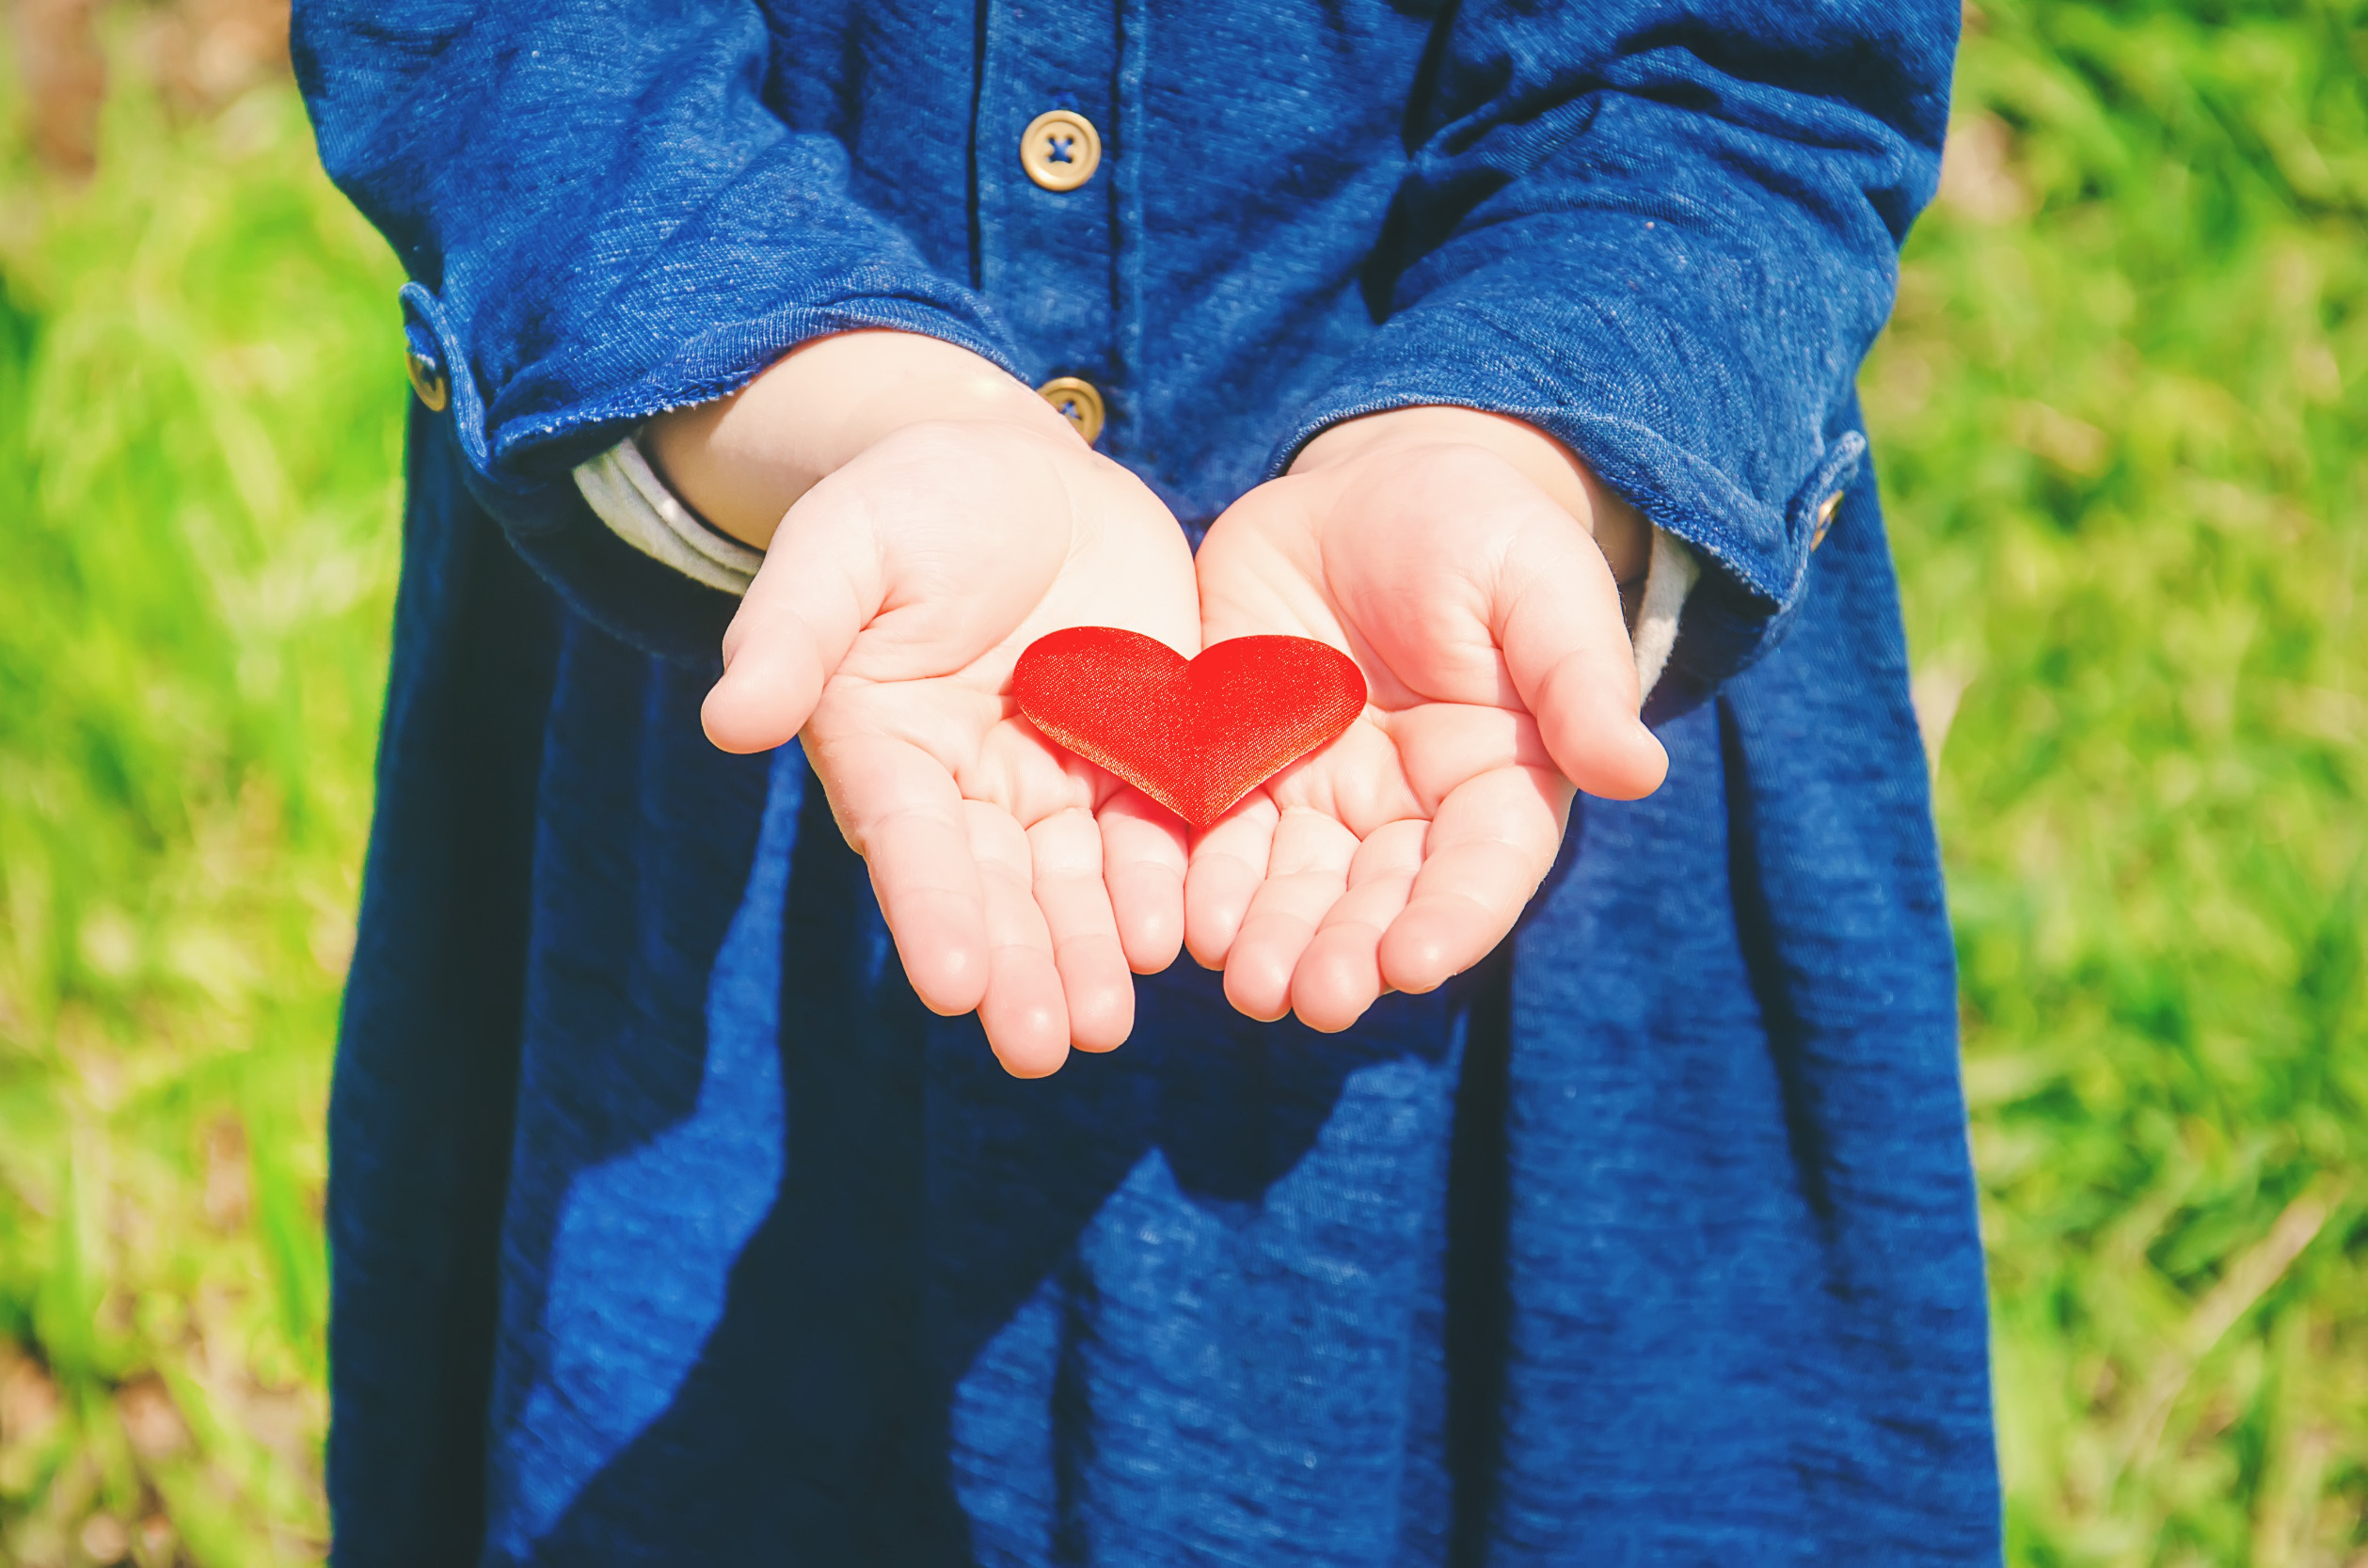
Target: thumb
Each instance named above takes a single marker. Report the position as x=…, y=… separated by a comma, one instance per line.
x=1567, y=648
x=820, y=586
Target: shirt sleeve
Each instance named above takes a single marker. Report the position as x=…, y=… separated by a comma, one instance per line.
x=602, y=219
x=1666, y=233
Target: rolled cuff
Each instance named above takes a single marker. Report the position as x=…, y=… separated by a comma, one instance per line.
x=1751, y=554
x=616, y=580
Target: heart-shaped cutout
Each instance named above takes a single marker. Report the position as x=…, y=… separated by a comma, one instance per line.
x=1196, y=735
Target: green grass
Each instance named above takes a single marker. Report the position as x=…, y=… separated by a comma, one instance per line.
x=2122, y=420
x=201, y=405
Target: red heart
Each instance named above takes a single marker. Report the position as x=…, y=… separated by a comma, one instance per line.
x=1197, y=736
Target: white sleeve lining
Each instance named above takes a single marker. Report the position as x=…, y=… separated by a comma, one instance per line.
x=626, y=494
x=1667, y=582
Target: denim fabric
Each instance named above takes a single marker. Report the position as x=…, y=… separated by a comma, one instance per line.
x=1664, y=233
x=669, y=1227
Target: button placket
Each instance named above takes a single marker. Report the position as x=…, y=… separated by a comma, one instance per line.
x=1080, y=401
x=1046, y=172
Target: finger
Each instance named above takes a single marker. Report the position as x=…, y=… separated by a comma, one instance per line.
x=1228, y=861
x=1567, y=648
x=1096, y=989
x=901, y=810
x=1340, y=975
x=819, y=585
x=1492, y=843
x=1306, y=875
x=1024, y=1017
x=1143, y=866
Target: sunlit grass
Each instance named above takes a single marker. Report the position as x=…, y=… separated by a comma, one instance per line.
x=2122, y=423
x=2122, y=415
x=200, y=398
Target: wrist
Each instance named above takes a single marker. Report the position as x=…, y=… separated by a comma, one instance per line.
x=743, y=461
x=1618, y=529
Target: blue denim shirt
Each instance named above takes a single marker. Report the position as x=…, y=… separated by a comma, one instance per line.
x=668, y=1227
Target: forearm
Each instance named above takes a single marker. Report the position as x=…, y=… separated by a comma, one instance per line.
x=743, y=461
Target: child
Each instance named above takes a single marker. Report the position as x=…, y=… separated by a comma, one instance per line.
x=1605, y=1195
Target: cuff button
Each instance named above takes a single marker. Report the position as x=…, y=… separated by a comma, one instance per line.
x=1825, y=510
x=428, y=381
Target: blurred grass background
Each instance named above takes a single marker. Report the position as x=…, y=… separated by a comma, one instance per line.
x=200, y=411
x=2123, y=419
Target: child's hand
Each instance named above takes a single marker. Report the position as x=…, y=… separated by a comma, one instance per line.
x=1451, y=554
x=894, y=596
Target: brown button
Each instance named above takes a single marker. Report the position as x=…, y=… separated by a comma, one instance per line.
x=1825, y=510
x=428, y=381
x=1061, y=150
x=1078, y=402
